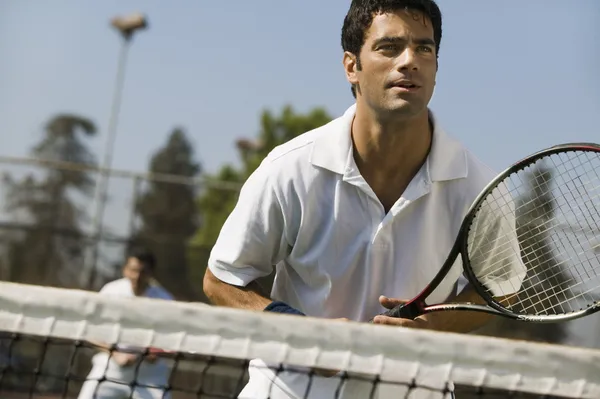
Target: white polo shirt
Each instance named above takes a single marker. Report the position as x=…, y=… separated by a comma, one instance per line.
x=308, y=212
x=122, y=288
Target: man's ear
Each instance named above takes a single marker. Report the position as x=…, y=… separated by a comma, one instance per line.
x=350, y=67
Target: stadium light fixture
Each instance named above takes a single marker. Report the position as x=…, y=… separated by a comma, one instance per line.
x=127, y=26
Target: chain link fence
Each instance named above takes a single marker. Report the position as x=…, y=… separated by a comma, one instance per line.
x=24, y=237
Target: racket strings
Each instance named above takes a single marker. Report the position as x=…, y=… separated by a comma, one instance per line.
x=557, y=273
x=528, y=250
x=533, y=306
x=558, y=290
x=559, y=281
x=581, y=253
x=541, y=232
x=545, y=262
x=571, y=276
x=555, y=288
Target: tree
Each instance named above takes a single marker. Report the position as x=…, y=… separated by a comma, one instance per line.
x=535, y=212
x=169, y=216
x=216, y=203
x=48, y=248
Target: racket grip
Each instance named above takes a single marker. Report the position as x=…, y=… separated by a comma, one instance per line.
x=405, y=311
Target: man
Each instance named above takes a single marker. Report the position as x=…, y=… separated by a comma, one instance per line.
x=358, y=215
x=114, y=373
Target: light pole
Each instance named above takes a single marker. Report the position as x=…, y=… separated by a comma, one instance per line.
x=127, y=26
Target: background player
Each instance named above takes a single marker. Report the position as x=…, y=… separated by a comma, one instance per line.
x=122, y=369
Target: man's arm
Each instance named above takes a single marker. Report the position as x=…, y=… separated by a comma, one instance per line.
x=250, y=297
x=251, y=241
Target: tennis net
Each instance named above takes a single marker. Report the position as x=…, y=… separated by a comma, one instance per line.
x=50, y=339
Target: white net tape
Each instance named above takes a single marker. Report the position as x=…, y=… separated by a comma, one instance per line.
x=386, y=353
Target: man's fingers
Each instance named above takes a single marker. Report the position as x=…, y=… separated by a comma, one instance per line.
x=390, y=303
x=325, y=372
x=394, y=321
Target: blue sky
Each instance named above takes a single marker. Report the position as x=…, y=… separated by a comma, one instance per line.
x=514, y=76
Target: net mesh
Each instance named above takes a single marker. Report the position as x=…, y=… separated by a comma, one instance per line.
x=51, y=343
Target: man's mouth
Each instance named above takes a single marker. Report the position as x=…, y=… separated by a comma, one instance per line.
x=406, y=87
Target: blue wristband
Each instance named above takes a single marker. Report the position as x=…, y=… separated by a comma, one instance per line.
x=281, y=307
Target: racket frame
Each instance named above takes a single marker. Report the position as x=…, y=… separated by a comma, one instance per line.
x=418, y=306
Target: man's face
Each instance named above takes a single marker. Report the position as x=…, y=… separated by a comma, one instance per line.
x=138, y=273
x=398, y=65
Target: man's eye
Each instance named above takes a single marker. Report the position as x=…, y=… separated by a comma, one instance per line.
x=425, y=49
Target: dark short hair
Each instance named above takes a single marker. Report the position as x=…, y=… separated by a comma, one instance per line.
x=361, y=13
x=144, y=256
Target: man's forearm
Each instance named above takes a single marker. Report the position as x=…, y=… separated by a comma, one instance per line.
x=219, y=293
x=459, y=321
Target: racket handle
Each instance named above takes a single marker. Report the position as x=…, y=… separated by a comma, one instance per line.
x=405, y=311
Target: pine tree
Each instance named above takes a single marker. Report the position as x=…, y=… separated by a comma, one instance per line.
x=48, y=249
x=169, y=216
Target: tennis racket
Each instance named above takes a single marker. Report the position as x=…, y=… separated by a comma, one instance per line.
x=530, y=241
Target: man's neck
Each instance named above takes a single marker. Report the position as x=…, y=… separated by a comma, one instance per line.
x=390, y=149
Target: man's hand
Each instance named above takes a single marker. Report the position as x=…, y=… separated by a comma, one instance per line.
x=447, y=321
x=124, y=359
x=390, y=303
x=151, y=358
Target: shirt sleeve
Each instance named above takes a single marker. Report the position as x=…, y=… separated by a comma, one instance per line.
x=493, y=245
x=106, y=289
x=161, y=293
x=252, y=239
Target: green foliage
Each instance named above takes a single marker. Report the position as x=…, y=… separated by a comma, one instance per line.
x=47, y=202
x=276, y=130
x=168, y=213
x=216, y=203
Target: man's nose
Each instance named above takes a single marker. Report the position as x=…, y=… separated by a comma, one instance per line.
x=407, y=60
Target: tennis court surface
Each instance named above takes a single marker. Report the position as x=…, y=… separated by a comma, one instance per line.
x=46, y=337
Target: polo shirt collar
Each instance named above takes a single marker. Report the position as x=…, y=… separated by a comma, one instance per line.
x=447, y=158
x=330, y=149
